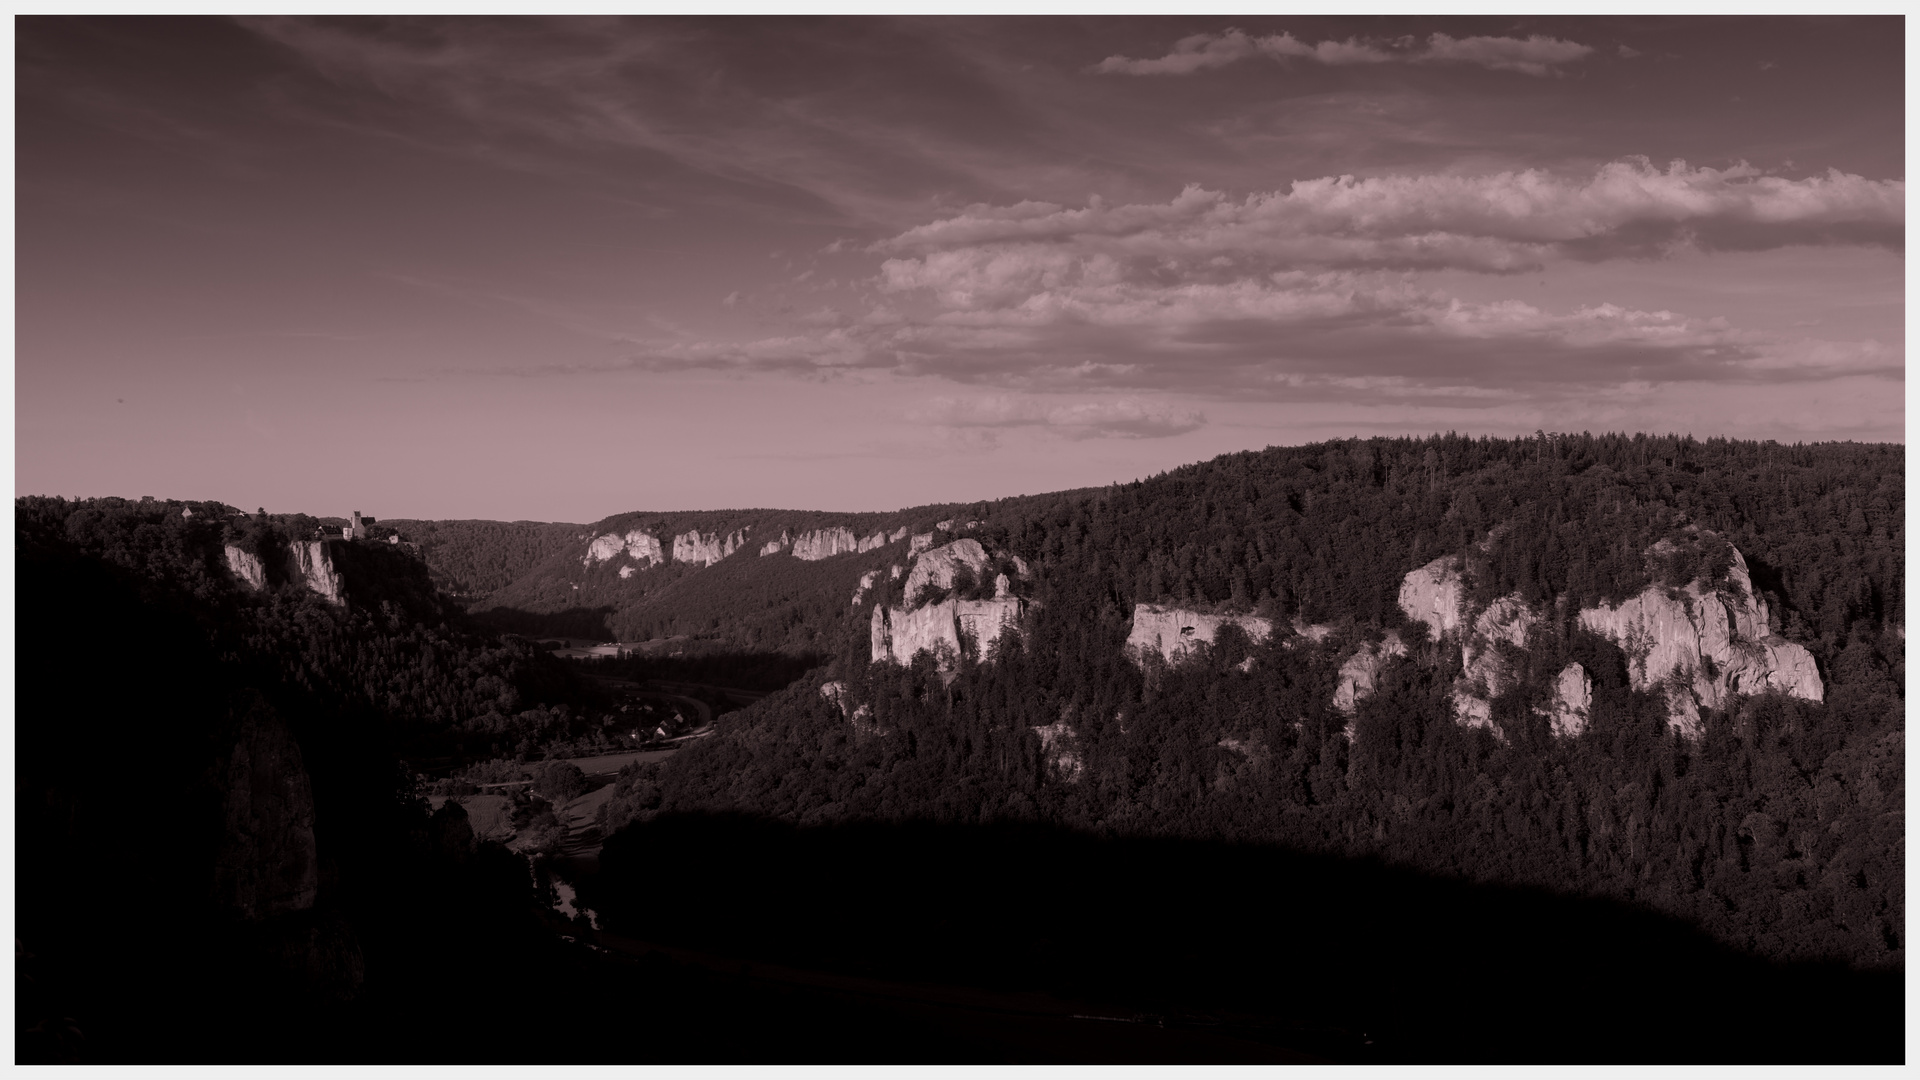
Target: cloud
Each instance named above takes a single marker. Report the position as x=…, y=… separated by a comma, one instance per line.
x=1505, y=222
x=1535, y=55
x=1124, y=418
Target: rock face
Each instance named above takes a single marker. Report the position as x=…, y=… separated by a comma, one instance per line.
x=247, y=567
x=1572, y=699
x=866, y=582
x=897, y=535
x=639, y=545
x=268, y=863
x=1174, y=632
x=877, y=540
x=825, y=543
x=1434, y=594
x=706, y=549
x=1488, y=670
x=1704, y=643
x=310, y=564
x=937, y=566
x=774, y=547
x=1362, y=669
x=897, y=634
x=920, y=543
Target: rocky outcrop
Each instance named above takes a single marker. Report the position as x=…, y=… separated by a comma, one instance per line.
x=877, y=540
x=268, y=863
x=866, y=582
x=1572, y=701
x=1435, y=595
x=920, y=543
x=310, y=564
x=708, y=548
x=1703, y=643
x=894, y=572
x=1362, y=670
x=638, y=544
x=825, y=543
x=247, y=567
x=938, y=566
x=1487, y=669
x=1173, y=633
x=897, y=535
x=898, y=634
x=626, y=572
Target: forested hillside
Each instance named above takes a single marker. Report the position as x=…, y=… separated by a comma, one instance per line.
x=471, y=559
x=1780, y=831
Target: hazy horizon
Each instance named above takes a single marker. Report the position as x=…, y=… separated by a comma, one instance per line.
x=560, y=269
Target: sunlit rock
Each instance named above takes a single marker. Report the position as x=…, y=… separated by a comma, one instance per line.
x=1173, y=633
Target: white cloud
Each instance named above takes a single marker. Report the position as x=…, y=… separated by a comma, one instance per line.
x=1535, y=55
x=1127, y=418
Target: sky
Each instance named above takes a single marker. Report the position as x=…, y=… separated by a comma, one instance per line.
x=563, y=269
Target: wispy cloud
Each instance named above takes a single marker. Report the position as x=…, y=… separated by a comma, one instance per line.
x=1535, y=55
x=1124, y=418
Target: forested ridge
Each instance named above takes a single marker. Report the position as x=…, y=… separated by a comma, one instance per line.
x=1781, y=831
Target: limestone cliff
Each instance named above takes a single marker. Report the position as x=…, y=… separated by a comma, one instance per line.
x=268, y=862
x=310, y=564
x=897, y=634
x=1434, y=595
x=774, y=547
x=1361, y=671
x=825, y=543
x=866, y=582
x=897, y=535
x=1489, y=667
x=937, y=567
x=1699, y=644
x=920, y=543
x=1572, y=700
x=247, y=567
x=1174, y=632
x=1704, y=643
x=877, y=540
x=706, y=549
x=638, y=544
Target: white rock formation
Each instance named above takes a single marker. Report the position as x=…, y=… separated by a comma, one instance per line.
x=1002, y=588
x=920, y=543
x=1704, y=644
x=1057, y=745
x=944, y=526
x=1485, y=670
x=1572, y=701
x=894, y=572
x=1359, y=674
x=825, y=543
x=877, y=540
x=897, y=634
x=1434, y=594
x=1175, y=632
x=313, y=567
x=774, y=547
x=897, y=535
x=866, y=582
x=1314, y=632
x=706, y=549
x=626, y=572
x=637, y=543
x=937, y=566
x=246, y=566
